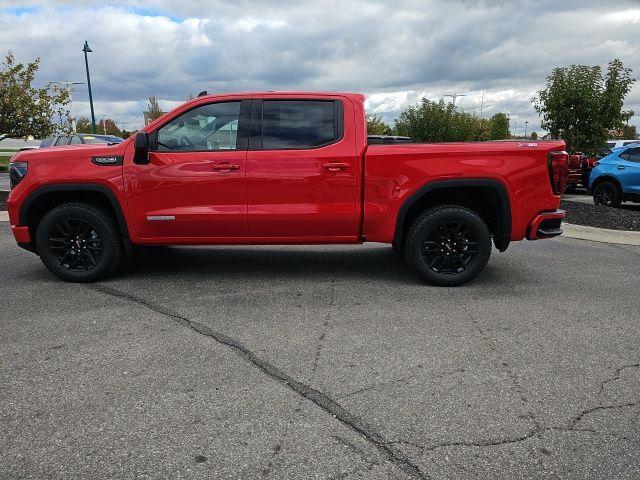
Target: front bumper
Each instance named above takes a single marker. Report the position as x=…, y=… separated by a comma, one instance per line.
x=21, y=234
x=546, y=225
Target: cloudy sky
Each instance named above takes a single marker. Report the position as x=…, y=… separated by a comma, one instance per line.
x=395, y=51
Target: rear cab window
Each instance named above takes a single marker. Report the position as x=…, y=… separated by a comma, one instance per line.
x=300, y=124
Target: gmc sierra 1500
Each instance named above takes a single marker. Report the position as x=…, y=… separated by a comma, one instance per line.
x=282, y=168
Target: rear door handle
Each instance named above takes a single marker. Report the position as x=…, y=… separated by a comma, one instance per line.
x=621, y=167
x=336, y=166
x=225, y=167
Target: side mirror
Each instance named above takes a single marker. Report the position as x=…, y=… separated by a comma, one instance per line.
x=141, y=144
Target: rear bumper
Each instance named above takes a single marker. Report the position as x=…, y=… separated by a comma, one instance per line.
x=546, y=225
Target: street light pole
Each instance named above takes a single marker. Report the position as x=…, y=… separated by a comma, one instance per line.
x=526, y=124
x=86, y=50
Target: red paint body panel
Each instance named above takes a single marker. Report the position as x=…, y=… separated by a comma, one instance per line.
x=394, y=172
x=340, y=193
x=310, y=192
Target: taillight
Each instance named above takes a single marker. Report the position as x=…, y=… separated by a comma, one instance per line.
x=558, y=163
x=17, y=171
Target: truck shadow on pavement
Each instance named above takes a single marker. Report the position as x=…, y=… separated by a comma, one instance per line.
x=304, y=263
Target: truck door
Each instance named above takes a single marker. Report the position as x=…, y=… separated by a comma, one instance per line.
x=302, y=169
x=194, y=186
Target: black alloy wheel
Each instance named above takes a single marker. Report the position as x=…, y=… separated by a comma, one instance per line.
x=450, y=248
x=75, y=245
x=606, y=194
x=79, y=242
x=448, y=245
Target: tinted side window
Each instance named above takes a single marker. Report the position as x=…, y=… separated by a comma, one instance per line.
x=208, y=127
x=63, y=141
x=75, y=140
x=288, y=124
x=632, y=155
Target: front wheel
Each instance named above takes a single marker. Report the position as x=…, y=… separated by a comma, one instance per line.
x=79, y=242
x=607, y=194
x=448, y=245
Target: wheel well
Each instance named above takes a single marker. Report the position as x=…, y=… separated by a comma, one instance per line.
x=607, y=178
x=37, y=206
x=487, y=201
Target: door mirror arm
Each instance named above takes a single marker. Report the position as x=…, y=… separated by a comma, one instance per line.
x=141, y=145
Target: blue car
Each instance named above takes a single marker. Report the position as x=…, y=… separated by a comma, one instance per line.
x=616, y=177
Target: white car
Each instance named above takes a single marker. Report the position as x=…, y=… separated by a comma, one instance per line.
x=620, y=143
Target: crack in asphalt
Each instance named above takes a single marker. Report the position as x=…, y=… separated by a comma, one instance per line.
x=317, y=397
x=539, y=430
x=512, y=376
x=616, y=376
x=402, y=379
x=325, y=330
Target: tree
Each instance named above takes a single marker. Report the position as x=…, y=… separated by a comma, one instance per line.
x=500, y=127
x=629, y=131
x=376, y=126
x=581, y=106
x=108, y=125
x=26, y=110
x=431, y=121
x=83, y=125
x=534, y=136
x=153, y=109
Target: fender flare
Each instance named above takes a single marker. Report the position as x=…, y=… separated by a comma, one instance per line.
x=501, y=239
x=76, y=187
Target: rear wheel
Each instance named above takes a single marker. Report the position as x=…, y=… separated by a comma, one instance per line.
x=606, y=193
x=448, y=245
x=79, y=242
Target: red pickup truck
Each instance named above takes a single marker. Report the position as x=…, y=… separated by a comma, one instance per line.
x=282, y=168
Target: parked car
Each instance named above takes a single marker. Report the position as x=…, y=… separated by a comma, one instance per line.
x=78, y=139
x=283, y=168
x=574, y=177
x=616, y=177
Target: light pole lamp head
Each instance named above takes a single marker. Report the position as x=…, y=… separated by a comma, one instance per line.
x=86, y=48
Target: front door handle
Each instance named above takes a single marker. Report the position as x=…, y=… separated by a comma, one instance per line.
x=336, y=166
x=225, y=167
x=620, y=167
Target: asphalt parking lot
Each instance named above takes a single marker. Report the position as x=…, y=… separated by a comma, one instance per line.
x=323, y=362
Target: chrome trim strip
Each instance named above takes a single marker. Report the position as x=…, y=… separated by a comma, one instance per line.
x=153, y=218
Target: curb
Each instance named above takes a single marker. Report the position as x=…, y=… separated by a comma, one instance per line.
x=604, y=235
x=4, y=216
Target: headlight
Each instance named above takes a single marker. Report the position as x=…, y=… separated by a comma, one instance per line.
x=17, y=171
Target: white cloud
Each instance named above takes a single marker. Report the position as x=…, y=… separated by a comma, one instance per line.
x=395, y=52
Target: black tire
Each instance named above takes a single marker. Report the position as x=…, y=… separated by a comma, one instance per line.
x=79, y=242
x=448, y=245
x=607, y=193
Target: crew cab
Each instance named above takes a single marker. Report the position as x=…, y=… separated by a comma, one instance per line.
x=282, y=168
